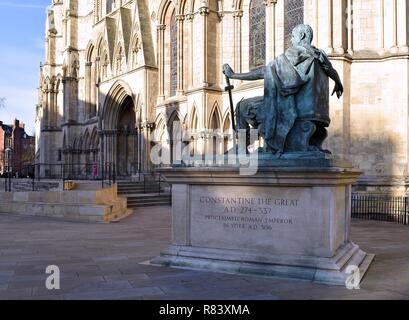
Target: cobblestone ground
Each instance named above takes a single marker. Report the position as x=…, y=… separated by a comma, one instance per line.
x=103, y=261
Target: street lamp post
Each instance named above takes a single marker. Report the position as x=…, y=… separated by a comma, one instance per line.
x=8, y=162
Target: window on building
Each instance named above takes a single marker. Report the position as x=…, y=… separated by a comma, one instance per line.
x=90, y=84
x=105, y=64
x=119, y=61
x=110, y=6
x=294, y=15
x=257, y=28
x=135, y=50
x=173, y=55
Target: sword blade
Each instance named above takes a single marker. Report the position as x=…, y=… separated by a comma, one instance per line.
x=229, y=88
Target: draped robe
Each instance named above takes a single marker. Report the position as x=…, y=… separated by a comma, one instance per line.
x=284, y=78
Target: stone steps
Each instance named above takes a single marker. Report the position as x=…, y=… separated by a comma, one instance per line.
x=140, y=195
x=135, y=201
x=140, y=191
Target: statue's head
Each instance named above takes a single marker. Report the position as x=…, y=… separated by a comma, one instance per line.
x=302, y=35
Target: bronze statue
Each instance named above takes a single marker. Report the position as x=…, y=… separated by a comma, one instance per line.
x=293, y=114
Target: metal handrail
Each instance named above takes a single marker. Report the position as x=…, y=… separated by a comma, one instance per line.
x=160, y=180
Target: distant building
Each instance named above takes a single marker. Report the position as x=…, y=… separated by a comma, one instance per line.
x=17, y=149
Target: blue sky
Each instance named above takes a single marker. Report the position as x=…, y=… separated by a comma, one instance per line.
x=22, y=25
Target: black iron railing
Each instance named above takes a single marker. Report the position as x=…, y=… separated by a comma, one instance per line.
x=9, y=176
x=381, y=208
x=106, y=174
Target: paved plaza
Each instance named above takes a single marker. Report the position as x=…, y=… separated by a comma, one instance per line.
x=105, y=261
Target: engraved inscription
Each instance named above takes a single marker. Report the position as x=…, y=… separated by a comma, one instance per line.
x=265, y=219
x=241, y=213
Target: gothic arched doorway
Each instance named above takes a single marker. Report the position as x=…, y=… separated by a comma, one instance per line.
x=126, y=151
x=120, y=133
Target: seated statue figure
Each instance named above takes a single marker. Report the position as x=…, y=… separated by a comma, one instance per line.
x=293, y=114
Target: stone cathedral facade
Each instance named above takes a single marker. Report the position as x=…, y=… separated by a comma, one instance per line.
x=118, y=73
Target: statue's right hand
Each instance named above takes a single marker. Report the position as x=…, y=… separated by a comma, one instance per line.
x=338, y=89
x=228, y=71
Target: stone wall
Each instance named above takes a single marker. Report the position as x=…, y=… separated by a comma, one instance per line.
x=78, y=205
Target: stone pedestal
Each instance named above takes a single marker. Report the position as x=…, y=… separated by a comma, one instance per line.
x=282, y=222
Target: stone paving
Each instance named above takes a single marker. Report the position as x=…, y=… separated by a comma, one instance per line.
x=103, y=261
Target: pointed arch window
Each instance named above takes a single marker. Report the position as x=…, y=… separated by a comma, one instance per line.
x=294, y=15
x=109, y=6
x=105, y=63
x=135, y=50
x=90, y=83
x=257, y=34
x=193, y=132
x=173, y=55
x=216, y=143
x=119, y=59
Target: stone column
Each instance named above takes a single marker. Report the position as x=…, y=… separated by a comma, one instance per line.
x=339, y=26
x=189, y=19
x=145, y=130
x=270, y=29
x=350, y=28
x=52, y=108
x=88, y=92
x=55, y=103
x=102, y=151
x=316, y=23
x=204, y=13
x=115, y=139
x=50, y=104
x=180, y=56
x=139, y=147
x=135, y=152
x=107, y=145
x=394, y=48
x=330, y=47
x=403, y=25
x=68, y=24
x=108, y=152
x=161, y=60
x=65, y=34
x=97, y=11
x=237, y=16
x=382, y=27
x=68, y=92
x=126, y=133
x=97, y=81
x=47, y=92
x=111, y=146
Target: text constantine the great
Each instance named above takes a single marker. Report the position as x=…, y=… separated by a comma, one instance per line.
x=250, y=201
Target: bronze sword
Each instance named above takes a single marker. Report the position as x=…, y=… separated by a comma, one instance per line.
x=230, y=88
